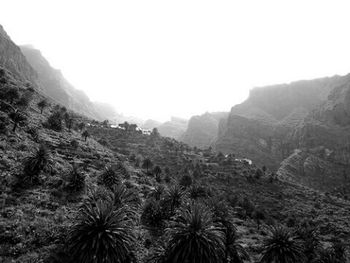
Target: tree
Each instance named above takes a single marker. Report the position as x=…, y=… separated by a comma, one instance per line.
x=147, y=164
x=194, y=237
x=281, y=246
x=102, y=234
x=18, y=118
x=36, y=163
x=85, y=134
x=42, y=105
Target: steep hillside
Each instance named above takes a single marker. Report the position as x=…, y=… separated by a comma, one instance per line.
x=45, y=193
x=58, y=88
x=262, y=127
x=13, y=60
x=202, y=130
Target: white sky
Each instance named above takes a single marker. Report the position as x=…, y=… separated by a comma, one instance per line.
x=156, y=59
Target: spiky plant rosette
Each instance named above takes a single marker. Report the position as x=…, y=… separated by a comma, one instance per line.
x=194, y=237
x=102, y=234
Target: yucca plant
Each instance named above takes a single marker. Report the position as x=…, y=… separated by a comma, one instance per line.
x=194, y=237
x=103, y=234
x=173, y=199
x=40, y=161
x=109, y=177
x=282, y=246
x=122, y=196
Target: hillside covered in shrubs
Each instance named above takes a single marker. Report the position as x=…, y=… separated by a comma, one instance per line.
x=77, y=190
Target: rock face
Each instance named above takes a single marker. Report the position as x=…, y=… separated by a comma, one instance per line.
x=173, y=128
x=55, y=86
x=302, y=130
x=269, y=124
x=14, y=61
x=202, y=130
x=28, y=65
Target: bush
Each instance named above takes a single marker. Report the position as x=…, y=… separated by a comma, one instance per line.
x=185, y=181
x=36, y=163
x=152, y=214
x=109, y=177
x=54, y=122
x=76, y=180
x=74, y=143
x=33, y=131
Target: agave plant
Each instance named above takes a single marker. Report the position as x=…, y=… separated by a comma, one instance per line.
x=282, y=246
x=194, y=237
x=102, y=234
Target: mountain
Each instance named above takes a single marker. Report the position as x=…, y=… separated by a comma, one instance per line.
x=55, y=86
x=202, y=130
x=173, y=128
x=150, y=124
x=12, y=59
x=300, y=129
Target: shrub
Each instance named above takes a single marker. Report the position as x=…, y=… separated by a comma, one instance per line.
x=74, y=143
x=18, y=118
x=147, y=164
x=76, y=180
x=186, y=180
x=33, y=131
x=36, y=163
x=152, y=214
x=54, y=122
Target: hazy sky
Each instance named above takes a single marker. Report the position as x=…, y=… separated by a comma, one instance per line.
x=156, y=59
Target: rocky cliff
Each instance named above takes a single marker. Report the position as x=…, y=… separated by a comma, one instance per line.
x=173, y=128
x=58, y=88
x=202, y=130
x=265, y=126
x=14, y=61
